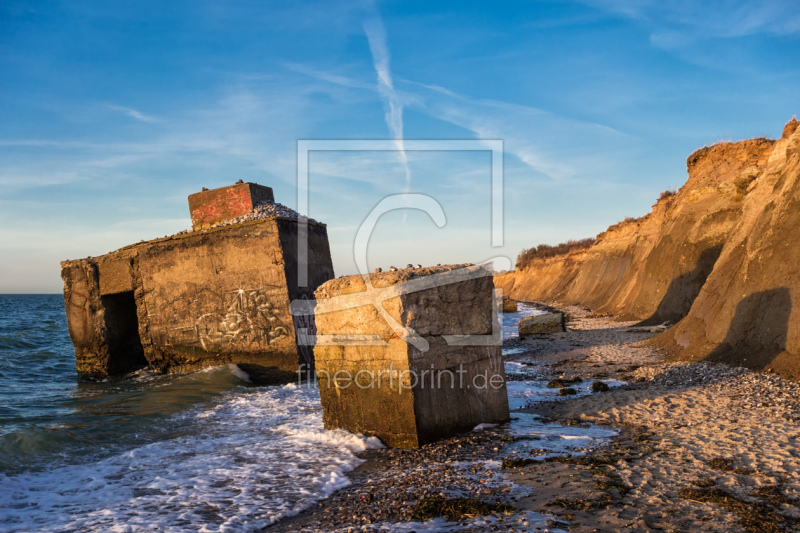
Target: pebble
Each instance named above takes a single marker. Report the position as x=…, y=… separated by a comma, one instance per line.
x=777, y=396
x=454, y=467
x=457, y=467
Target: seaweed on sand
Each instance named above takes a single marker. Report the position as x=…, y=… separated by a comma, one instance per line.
x=454, y=508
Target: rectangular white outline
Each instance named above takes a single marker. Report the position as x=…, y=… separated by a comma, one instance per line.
x=304, y=146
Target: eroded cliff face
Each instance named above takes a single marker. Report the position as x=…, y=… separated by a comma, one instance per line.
x=744, y=313
x=718, y=257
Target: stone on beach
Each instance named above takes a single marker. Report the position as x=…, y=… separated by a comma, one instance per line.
x=410, y=393
x=541, y=324
x=509, y=306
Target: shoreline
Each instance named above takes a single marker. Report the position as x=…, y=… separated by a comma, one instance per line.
x=699, y=447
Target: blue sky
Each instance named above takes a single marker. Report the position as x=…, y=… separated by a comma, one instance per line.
x=112, y=113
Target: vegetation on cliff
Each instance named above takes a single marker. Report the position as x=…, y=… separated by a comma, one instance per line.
x=528, y=255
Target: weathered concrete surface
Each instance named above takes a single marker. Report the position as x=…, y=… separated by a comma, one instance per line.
x=403, y=395
x=217, y=205
x=509, y=306
x=196, y=300
x=541, y=324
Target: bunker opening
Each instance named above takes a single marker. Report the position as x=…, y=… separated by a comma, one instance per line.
x=125, y=349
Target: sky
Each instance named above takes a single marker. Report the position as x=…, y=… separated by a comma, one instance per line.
x=112, y=113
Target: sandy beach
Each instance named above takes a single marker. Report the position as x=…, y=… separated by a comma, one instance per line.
x=697, y=447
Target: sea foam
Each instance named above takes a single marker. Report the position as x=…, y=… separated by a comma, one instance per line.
x=251, y=459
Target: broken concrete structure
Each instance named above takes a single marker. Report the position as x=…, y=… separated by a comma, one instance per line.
x=200, y=298
x=410, y=393
x=210, y=207
x=541, y=324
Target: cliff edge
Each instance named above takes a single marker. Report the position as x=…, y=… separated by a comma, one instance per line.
x=720, y=258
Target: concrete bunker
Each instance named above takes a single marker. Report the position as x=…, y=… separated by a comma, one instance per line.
x=425, y=365
x=217, y=294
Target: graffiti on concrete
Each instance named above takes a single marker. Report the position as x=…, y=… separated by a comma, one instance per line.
x=249, y=318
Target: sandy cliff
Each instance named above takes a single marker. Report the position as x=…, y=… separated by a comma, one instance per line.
x=720, y=257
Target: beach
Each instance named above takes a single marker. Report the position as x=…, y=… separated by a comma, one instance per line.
x=689, y=447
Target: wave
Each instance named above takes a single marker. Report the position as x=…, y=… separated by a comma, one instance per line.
x=244, y=462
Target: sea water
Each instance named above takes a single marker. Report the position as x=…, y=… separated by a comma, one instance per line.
x=204, y=451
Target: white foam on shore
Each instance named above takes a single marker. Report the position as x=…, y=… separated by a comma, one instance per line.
x=239, y=373
x=252, y=458
x=512, y=367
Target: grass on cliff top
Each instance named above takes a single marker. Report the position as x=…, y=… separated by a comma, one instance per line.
x=454, y=508
x=667, y=193
x=528, y=255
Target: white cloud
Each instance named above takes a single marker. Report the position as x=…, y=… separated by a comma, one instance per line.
x=676, y=23
x=132, y=113
x=376, y=35
x=544, y=141
x=553, y=145
x=329, y=77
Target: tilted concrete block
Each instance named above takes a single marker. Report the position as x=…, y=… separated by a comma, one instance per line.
x=410, y=393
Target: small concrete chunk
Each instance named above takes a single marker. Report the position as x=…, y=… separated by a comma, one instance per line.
x=541, y=324
x=213, y=206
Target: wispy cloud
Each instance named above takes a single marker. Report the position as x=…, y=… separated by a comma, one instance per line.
x=247, y=126
x=675, y=23
x=376, y=35
x=132, y=113
x=544, y=141
x=329, y=77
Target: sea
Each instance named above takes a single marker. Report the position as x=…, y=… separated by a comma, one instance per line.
x=204, y=451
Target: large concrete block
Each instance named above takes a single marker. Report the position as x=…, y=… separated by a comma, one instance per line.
x=196, y=300
x=210, y=207
x=410, y=393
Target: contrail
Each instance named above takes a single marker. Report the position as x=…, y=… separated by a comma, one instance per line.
x=376, y=35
